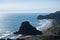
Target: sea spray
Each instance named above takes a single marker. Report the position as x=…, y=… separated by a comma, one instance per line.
x=44, y=24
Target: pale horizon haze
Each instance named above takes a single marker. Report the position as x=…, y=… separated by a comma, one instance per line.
x=29, y=6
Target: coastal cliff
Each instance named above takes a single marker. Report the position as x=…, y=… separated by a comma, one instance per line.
x=55, y=29
x=29, y=32
x=52, y=33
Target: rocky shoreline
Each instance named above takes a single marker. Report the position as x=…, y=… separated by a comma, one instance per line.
x=30, y=33
x=36, y=37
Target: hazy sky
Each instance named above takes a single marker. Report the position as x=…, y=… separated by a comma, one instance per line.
x=29, y=5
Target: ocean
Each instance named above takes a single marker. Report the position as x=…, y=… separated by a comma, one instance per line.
x=11, y=22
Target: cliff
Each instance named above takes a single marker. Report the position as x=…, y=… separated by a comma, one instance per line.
x=55, y=29
x=52, y=33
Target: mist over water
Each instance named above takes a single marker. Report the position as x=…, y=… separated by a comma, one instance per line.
x=10, y=23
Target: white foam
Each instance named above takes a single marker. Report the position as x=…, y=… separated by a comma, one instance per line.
x=44, y=24
x=5, y=34
x=14, y=37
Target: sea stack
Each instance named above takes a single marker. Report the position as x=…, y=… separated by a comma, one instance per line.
x=27, y=29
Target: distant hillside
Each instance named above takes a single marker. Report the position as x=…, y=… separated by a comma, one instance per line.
x=55, y=16
x=55, y=29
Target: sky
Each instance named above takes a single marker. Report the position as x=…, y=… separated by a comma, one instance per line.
x=29, y=6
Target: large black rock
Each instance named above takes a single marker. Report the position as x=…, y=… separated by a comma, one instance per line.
x=27, y=29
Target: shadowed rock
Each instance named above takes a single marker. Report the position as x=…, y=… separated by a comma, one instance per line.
x=27, y=29
x=2, y=39
x=9, y=39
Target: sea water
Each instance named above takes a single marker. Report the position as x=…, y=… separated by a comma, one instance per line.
x=11, y=22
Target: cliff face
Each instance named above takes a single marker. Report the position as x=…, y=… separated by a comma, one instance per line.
x=55, y=29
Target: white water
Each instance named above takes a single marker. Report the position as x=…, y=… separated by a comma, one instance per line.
x=44, y=24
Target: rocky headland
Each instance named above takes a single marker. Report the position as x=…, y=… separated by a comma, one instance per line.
x=29, y=32
x=52, y=33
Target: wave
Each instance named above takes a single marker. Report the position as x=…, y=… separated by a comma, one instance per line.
x=10, y=35
x=44, y=24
